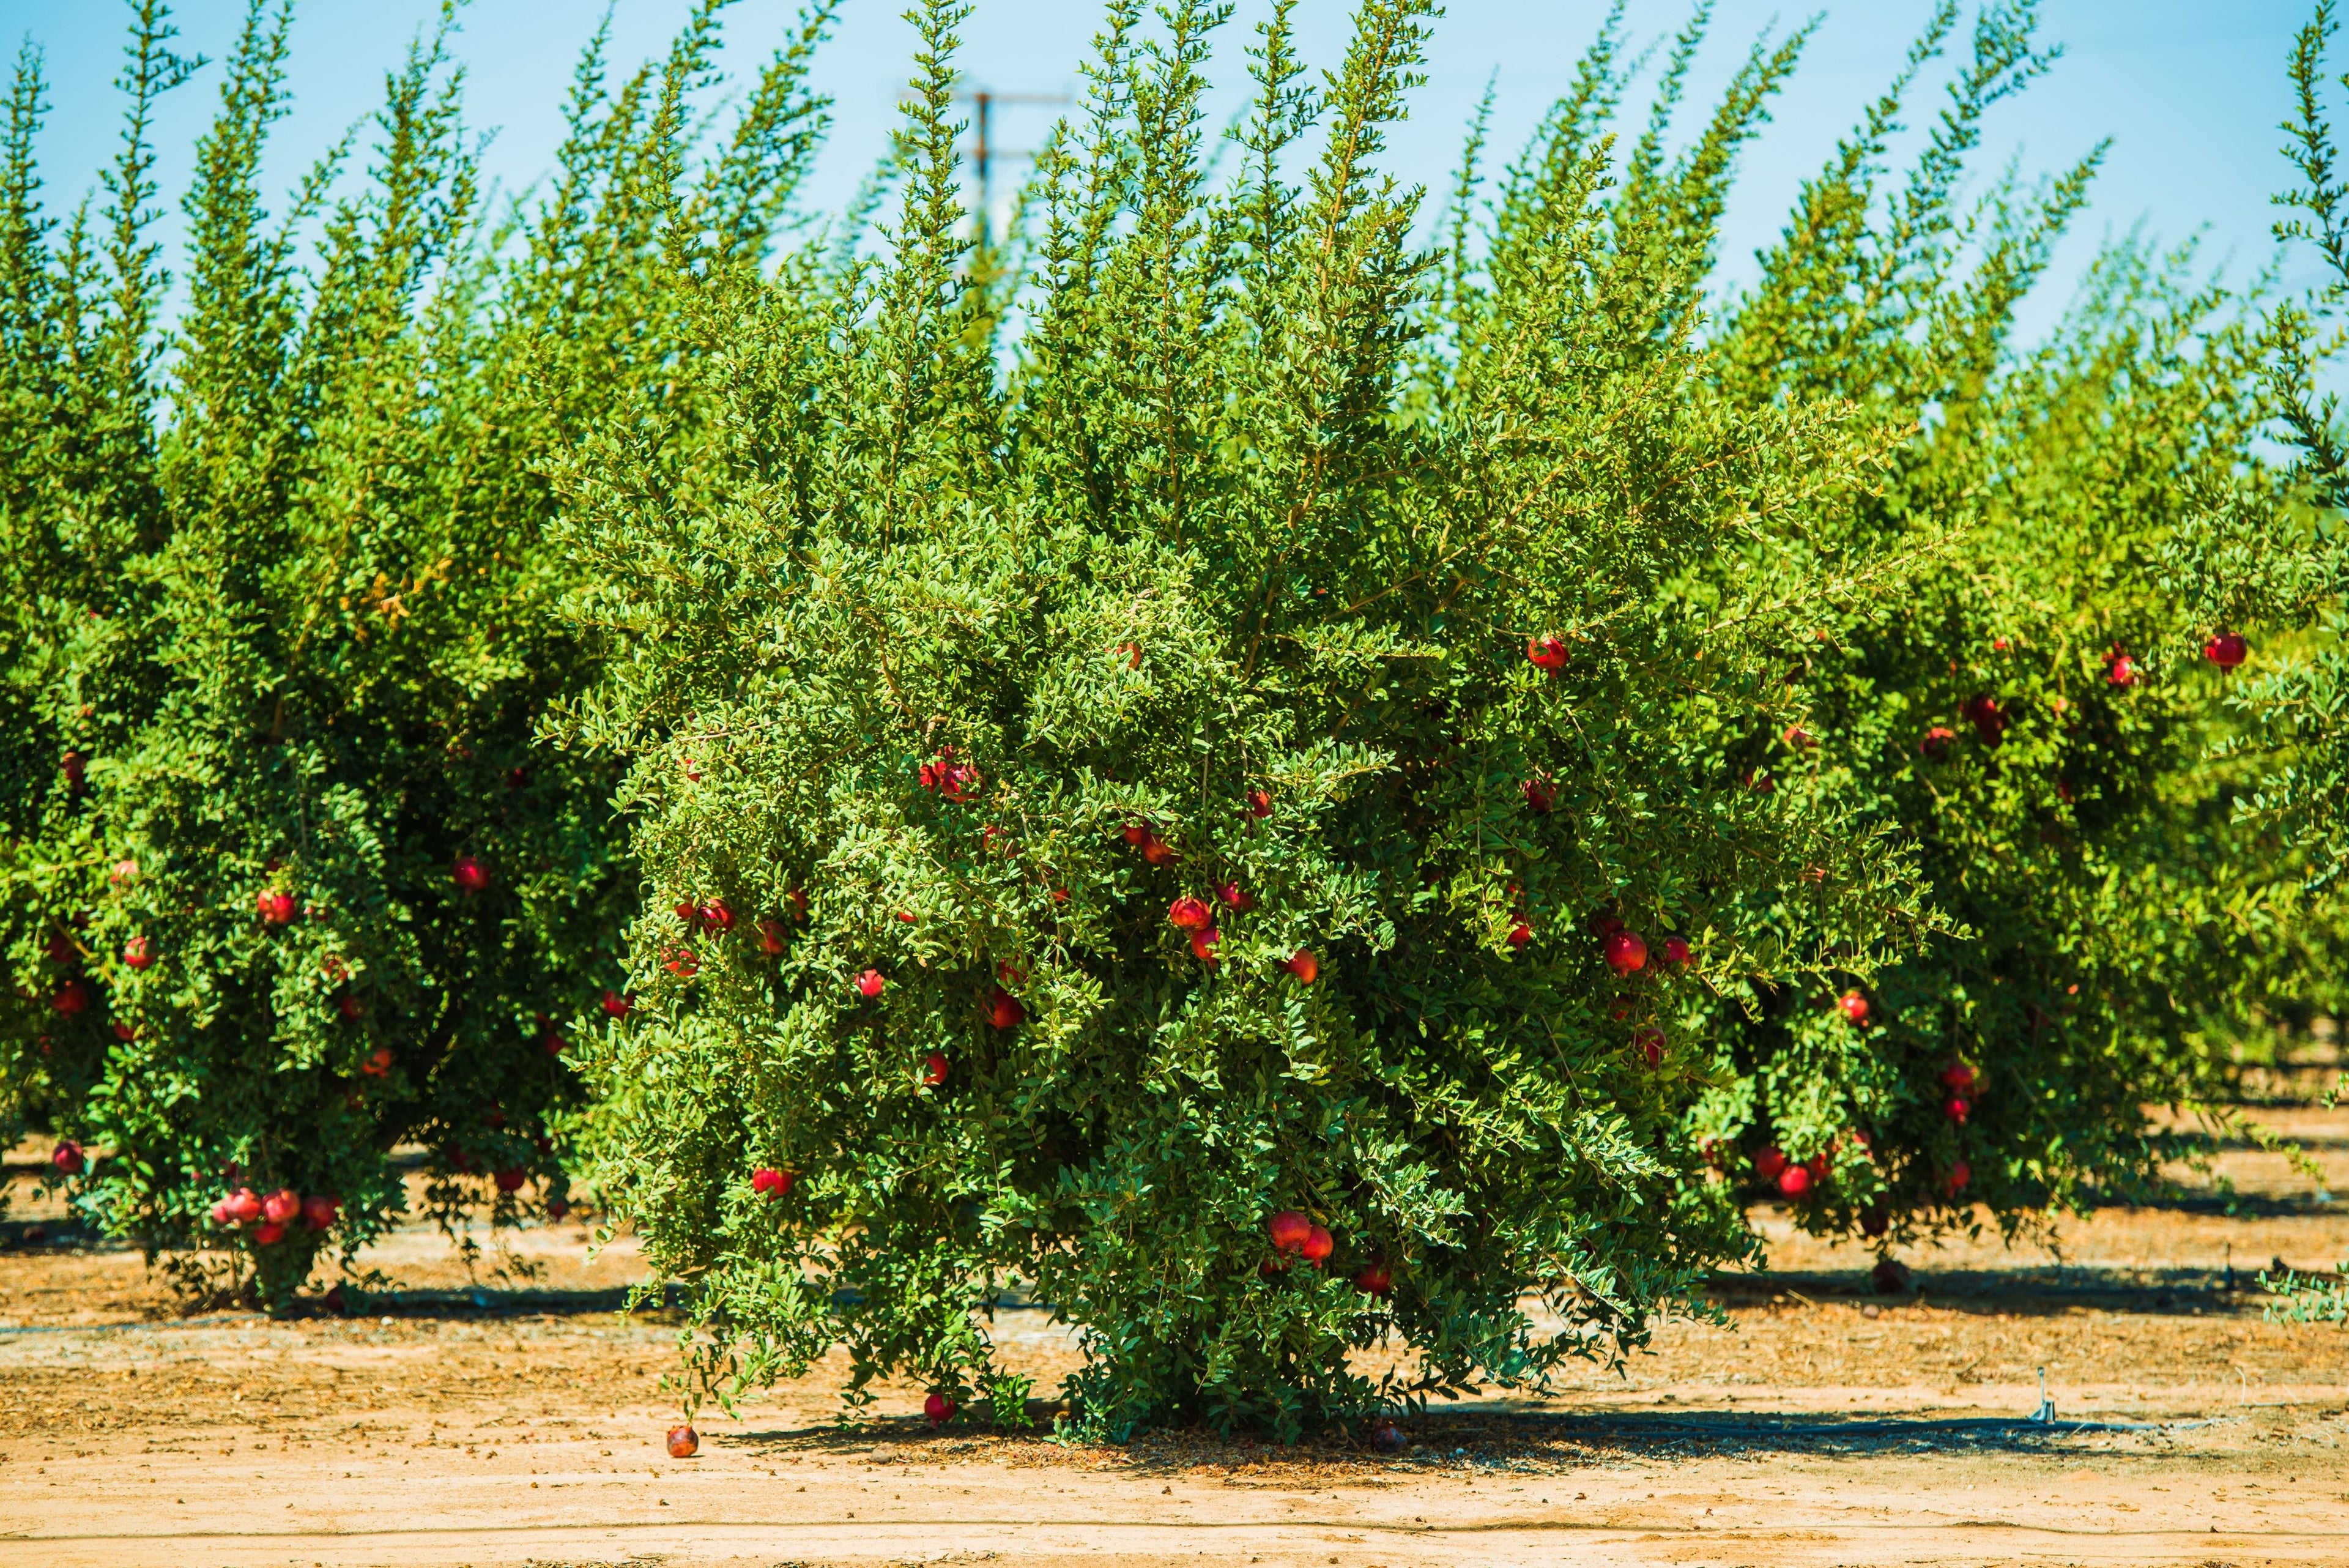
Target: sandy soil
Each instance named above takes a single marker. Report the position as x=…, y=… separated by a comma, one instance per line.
x=1825, y=1424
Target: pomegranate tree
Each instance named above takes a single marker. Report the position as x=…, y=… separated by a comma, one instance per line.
x=1288, y=699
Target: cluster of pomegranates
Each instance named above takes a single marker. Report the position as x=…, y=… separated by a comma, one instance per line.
x=267, y=1218
x=1295, y=1236
x=947, y=777
x=1794, y=1181
x=2227, y=650
x=1627, y=953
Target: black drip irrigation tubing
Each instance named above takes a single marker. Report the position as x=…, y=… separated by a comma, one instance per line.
x=1896, y=1428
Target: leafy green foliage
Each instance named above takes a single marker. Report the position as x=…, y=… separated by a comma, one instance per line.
x=2035, y=712
x=957, y=655
x=286, y=884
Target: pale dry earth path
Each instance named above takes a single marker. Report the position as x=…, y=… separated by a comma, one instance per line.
x=1812, y=1431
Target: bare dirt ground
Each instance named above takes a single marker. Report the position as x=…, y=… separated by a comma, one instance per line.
x=466, y=1423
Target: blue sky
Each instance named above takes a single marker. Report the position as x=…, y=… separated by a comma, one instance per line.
x=2189, y=90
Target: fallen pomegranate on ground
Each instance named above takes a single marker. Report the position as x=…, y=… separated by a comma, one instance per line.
x=683, y=1442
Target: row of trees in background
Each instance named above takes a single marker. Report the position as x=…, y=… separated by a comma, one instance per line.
x=1276, y=768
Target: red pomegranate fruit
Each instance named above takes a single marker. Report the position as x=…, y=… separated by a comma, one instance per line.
x=774, y=936
x=618, y=1006
x=1520, y=935
x=1189, y=914
x=1626, y=952
x=1769, y=1162
x=1676, y=951
x=683, y=1442
x=934, y=1069
x=870, y=984
x=1651, y=1044
x=1318, y=1245
x=1204, y=944
x=1854, y=1008
x=1260, y=803
x=939, y=1409
x=139, y=952
x=71, y=998
x=469, y=874
x=770, y=1182
x=1796, y=1180
x=1539, y=799
x=276, y=909
x=1304, y=965
x=1232, y=896
x=268, y=1233
x=319, y=1211
x=1289, y=1228
x=281, y=1206
x=1374, y=1279
x=512, y=1178
x=1545, y=653
x=67, y=1158
x=1935, y=746
x=2226, y=649
x=1004, y=1011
